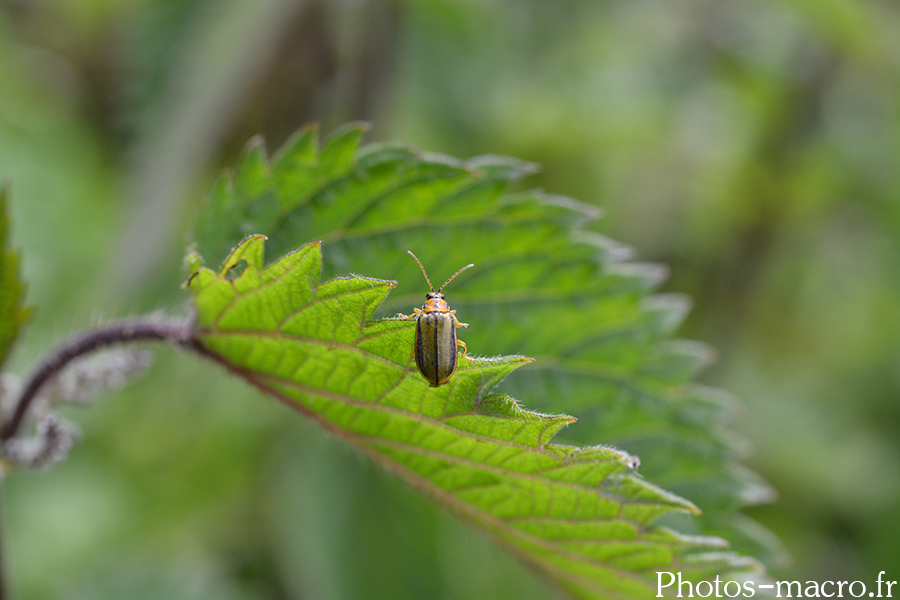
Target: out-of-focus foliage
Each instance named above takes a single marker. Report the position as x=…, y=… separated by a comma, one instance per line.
x=750, y=146
x=12, y=314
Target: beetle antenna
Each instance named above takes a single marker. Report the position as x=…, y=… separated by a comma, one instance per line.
x=454, y=275
x=423, y=270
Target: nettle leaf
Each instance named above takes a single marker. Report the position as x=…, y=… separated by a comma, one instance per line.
x=543, y=285
x=13, y=314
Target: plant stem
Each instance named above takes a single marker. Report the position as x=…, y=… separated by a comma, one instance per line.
x=122, y=332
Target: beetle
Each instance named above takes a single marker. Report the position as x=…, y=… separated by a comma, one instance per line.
x=436, y=341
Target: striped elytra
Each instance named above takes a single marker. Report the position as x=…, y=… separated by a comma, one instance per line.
x=436, y=346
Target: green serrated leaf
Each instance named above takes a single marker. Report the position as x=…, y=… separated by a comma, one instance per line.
x=13, y=314
x=577, y=514
x=543, y=285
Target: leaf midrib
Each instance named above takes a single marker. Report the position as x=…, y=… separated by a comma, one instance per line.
x=269, y=381
x=466, y=510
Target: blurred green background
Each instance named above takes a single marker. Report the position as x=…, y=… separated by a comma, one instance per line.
x=754, y=147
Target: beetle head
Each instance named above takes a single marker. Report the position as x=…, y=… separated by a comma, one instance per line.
x=434, y=302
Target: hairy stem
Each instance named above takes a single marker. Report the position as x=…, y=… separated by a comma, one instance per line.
x=147, y=329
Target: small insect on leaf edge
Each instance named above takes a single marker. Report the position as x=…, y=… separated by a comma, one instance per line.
x=436, y=342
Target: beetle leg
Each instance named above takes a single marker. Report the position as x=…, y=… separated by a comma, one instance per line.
x=418, y=311
x=459, y=342
x=458, y=324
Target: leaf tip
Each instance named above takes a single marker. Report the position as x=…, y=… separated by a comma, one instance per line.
x=193, y=262
x=355, y=129
x=256, y=141
x=691, y=507
x=250, y=249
